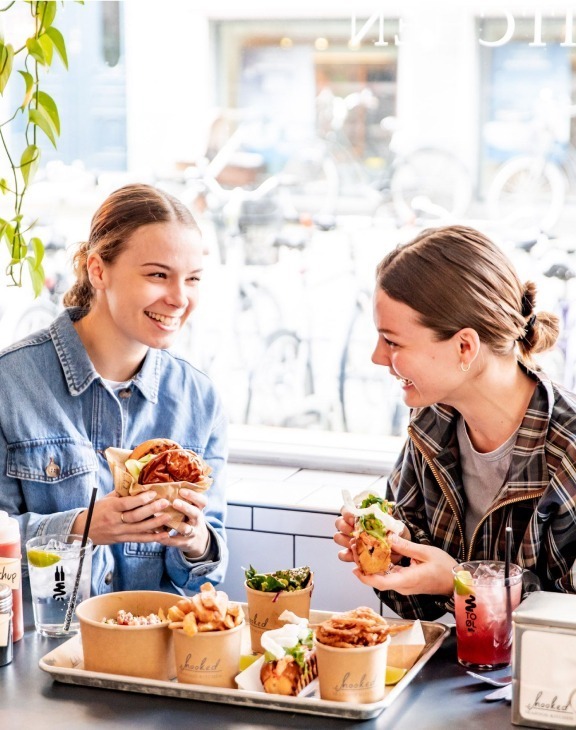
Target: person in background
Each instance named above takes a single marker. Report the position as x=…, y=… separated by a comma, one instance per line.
x=101, y=376
x=491, y=440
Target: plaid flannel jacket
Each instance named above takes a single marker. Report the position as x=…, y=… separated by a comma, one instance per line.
x=538, y=499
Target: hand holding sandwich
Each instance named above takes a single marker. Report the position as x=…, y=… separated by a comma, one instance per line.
x=429, y=572
x=141, y=518
x=158, y=497
x=367, y=524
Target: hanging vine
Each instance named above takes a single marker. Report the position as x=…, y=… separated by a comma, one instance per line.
x=20, y=157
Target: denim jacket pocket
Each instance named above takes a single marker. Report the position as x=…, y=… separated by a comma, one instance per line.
x=50, y=460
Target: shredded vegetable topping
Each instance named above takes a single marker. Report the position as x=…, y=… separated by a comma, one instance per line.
x=374, y=508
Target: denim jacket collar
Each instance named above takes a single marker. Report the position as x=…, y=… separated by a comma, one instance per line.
x=78, y=368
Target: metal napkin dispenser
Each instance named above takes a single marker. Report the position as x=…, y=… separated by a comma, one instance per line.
x=544, y=661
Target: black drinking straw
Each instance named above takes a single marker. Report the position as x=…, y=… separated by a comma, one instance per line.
x=507, y=562
x=74, y=596
x=508, y=556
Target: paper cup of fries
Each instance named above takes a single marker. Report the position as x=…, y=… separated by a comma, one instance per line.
x=264, y=608
x=351, y=651
x=207, y=631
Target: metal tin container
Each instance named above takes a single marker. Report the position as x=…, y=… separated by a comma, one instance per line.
x=544, y=661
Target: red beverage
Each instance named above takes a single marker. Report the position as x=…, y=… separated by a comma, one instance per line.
x=483, y=616
x=11, y=569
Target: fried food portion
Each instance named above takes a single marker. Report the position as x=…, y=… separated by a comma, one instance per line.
x=373, y=553
x=209, y=610
x=286, y=677
x=360, y=627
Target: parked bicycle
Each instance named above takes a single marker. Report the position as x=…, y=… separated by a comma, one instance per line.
x=332, y=177
x=531, y=188
x=319, y=374
x=287, y=385
x=553, y=265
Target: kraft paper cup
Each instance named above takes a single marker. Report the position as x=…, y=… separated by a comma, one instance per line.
x=352, y=675
x=209, y=658
x=265, y=607
x=138, y=651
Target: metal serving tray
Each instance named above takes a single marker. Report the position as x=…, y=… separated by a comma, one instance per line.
x=66, y=664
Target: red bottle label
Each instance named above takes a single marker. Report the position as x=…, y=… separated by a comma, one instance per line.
x=10, y=572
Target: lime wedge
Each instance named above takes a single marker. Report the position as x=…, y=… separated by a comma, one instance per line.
x=247, y=659
x=463, y=583
x=42, y=559
x=394, y=674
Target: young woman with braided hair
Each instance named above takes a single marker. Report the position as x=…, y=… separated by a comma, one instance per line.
x=491, y=441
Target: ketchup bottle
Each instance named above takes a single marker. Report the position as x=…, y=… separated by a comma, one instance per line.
x=11, y=568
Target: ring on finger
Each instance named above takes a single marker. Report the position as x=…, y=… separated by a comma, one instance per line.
x=189, y=531
x=122, y=518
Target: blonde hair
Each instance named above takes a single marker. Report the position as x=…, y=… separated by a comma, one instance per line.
x=456, y=277
x=123, y=212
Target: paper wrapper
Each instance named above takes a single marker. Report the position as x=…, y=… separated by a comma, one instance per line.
x=406, y=646
x=125, y=485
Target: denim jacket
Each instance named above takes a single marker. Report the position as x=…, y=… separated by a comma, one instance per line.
x=57, y=410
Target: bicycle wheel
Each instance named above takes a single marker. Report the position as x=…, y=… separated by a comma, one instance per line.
x=36, y=317
x=529, y=191
x=430, y=183
x=280, y=382
x=371, y=400
x=257, y=316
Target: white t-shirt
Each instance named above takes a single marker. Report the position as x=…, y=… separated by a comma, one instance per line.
x=483, y=475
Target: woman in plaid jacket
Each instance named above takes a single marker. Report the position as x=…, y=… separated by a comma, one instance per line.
x=491, y=441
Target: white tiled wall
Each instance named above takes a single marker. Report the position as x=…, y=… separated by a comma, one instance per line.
x=281, y=517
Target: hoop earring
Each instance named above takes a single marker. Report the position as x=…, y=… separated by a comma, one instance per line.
x=464, y=368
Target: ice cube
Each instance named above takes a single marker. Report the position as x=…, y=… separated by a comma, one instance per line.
x=489, y=572
x=52, y=545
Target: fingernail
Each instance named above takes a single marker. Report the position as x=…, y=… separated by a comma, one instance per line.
x=178, y=503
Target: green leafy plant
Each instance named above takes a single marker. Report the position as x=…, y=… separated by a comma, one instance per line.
x=40, y=112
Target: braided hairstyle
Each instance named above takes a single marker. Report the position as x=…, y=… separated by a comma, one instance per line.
x=123, y=212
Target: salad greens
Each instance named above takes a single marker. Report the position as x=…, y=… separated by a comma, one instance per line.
x=293, y=579
x=369, y=523
x=371, y=499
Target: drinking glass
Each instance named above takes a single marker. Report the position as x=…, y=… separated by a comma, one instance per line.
x=483, y=610
x=53, y=562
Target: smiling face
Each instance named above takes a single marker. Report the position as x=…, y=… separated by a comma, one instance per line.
x=146, y=295
x=428, y=369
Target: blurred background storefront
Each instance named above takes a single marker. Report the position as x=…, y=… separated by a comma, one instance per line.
x=370, y=122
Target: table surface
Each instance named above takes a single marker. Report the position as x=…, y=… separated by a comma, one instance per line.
x=442, y=695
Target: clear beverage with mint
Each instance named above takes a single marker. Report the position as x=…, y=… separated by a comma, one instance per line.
x=483, y=611
x=53, y=563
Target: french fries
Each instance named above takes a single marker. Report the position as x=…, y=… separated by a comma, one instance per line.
x=209, y=610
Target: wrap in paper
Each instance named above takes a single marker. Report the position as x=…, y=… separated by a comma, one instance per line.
x=125, y=485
